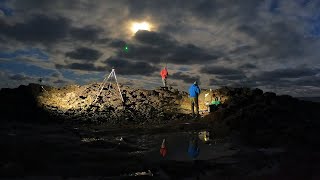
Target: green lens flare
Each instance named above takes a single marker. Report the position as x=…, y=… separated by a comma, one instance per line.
x=126, y=49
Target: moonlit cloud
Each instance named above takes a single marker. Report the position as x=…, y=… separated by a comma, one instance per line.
x=270, y=44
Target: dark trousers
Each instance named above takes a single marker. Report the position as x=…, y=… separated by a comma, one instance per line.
x=194, y=103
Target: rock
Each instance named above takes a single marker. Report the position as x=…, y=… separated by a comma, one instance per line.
x=269, y=95
x=257, y=92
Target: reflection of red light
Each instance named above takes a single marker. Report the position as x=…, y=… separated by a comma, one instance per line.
x=163, y=148
x=163, y=151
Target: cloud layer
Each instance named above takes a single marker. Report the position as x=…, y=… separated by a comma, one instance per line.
x=270, y=44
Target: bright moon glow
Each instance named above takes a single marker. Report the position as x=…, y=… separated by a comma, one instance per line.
x=140, y=26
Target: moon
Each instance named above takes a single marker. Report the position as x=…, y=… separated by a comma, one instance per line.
x=136, y=26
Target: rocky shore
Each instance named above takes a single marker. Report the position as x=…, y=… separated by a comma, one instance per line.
x=261, y=118
x=84, y=104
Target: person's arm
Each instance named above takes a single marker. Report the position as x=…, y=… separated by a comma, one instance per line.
x=191, y=90
x=198, y=90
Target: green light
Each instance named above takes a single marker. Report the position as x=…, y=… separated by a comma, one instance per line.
x=126, y=49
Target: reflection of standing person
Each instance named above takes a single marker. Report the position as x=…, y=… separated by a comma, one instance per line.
x=164, y=74
x=194, y=92
x=193, y=149
x=163, y=148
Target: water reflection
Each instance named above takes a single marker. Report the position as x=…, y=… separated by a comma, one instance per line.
x=163, y=148
x=204, y=136
x=193, y=148
x=186, y=146
x=186, y=152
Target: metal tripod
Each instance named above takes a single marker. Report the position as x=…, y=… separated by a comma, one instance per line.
x=104, y=82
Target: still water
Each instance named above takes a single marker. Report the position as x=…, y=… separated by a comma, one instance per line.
x=186, y=146
x=113, y=153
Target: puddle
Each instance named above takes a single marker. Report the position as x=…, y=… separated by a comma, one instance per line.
x=123, y=152
x=177, y=146
x=188, y=146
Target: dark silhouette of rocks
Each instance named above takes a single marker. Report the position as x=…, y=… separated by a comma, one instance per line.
x=20, y=104
x=265, y=119
x=313, y=99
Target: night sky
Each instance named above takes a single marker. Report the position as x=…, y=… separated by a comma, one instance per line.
x=269, y=44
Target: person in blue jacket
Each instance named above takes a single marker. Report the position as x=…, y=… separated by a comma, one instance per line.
x=194, y=92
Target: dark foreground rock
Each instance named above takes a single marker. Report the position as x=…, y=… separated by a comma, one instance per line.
x=265, y=119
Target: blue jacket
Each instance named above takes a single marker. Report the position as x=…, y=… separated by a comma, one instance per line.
x=194, y=90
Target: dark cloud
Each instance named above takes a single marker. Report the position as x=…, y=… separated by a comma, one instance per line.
x=308, y=81
x=279, y=40
x=226, y=82
x=143, y=53
x=49, y=6
x=185, y=77
x=232, y=77
x=155, y=39
x=290, y=86
x=177, y=27
x=19, y=77
x=157, y=47
x=56, y=75
x=6, y=11
x=248, y=66
x=206, y=9
x=220, y=70
x=84, y=53
x=248, y=29
x=127, y=67
x=44, y=29
x=278, y=74
x=241, y=49
x=139, y=9
x=117, y=43
x=104, y=40
x=221, y=10
x=87, y=33
x=81, y=66
x=40, y=28
x=223, y=74
x=282, y=78
x=190, y=54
